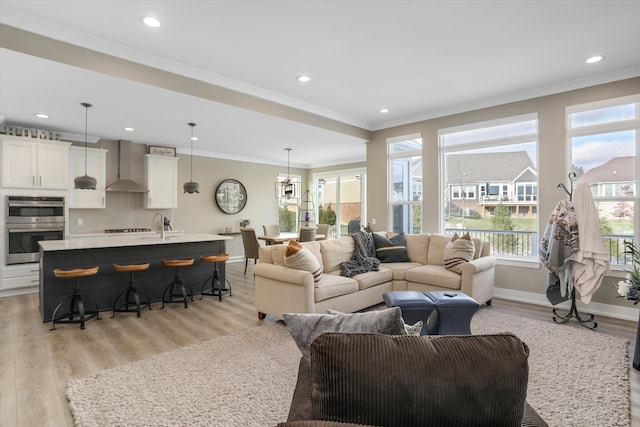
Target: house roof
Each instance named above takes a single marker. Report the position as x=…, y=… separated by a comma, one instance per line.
x=618, y=169
x=487, y=167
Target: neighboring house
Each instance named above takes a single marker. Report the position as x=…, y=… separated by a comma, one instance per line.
x=475, y=186
x=616, y=179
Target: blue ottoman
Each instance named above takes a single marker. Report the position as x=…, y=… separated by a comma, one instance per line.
x=455, y=310
x=415, y=306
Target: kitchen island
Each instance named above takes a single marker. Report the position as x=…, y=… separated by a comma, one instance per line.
x=106, y=251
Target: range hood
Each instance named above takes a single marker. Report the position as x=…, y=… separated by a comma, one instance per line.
x=123, y=184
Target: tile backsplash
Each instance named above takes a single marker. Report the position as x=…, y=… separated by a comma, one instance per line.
x=124, y=210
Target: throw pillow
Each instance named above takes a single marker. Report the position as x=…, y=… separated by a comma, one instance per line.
x=413, y=330
x=454, y=380
x=301, y=258
x=393, y=249
x=304, y=328
x=458, y=252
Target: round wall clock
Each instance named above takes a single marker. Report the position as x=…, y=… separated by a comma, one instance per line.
x=231, y=196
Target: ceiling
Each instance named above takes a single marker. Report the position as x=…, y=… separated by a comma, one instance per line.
x=231, y=65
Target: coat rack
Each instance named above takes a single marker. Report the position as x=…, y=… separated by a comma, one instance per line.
x=573, y=311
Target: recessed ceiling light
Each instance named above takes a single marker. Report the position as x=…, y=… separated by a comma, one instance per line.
x=594, y=59
x=384, y=110
x=129, y=129
x=150, y=21
x=303, y=78
x=42, y=115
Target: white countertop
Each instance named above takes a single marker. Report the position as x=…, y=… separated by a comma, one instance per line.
x=130, y=234
x=126, y=240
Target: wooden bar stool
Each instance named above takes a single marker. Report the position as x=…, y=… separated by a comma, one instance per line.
x=131, y=302
x=215, y=277
x=75, y=300
x=177, y=288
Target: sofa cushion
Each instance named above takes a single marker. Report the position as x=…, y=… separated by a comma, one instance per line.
x=417, y=246
x=428, y=381
x=333, y=285
x=373, y=278
x=477, y=244
x=393, y=249
x=399, y=269
x=336, y=251
x=434, y=275
x=277, y=254
x=458, y=252
x=435, y=253
x=304, y=328
x=314, y=248
x=300, y=410
x=301, y=258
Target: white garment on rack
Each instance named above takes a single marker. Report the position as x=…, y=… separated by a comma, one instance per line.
x=591, y=261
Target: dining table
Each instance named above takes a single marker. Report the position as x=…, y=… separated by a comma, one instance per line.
x=284, y=237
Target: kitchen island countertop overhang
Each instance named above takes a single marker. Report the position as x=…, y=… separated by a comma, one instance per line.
x=124, y=240
x=106, y=251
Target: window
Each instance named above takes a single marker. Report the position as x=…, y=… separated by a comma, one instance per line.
x=405, y=185
x=496, y=204
x=463, y=191
x=603, y=139
x=341, y=200
x=527, y=192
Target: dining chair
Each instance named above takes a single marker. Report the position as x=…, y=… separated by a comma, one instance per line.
x=251, y=246
x=323, y=229
x=307, y=234
x=271, y=230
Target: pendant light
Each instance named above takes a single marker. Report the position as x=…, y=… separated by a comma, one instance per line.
x=85, y=182
x=287, y=188
x=191, y=187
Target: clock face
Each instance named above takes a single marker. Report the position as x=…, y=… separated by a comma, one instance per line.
x=231, y=196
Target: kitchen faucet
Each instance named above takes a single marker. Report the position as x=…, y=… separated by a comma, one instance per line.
x=162, y=221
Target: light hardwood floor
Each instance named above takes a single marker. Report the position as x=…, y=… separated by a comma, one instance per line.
x=36, y=363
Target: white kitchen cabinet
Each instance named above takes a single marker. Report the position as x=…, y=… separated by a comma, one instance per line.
x=96, y=167
x=162, y=181
x=34, y=164
x=19, y=279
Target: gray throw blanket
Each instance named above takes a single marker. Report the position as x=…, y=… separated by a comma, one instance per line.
x=559, y=243
x=363, y=258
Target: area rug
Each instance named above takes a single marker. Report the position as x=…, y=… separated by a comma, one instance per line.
x=577, y=377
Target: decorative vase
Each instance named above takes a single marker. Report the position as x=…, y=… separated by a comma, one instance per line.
x=636, y=353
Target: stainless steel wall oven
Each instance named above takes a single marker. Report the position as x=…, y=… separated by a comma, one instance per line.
x=28, y=220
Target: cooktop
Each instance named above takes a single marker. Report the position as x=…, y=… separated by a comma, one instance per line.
x=127, y=230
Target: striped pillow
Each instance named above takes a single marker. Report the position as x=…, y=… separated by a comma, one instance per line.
x=458, y=252
x=301, y=258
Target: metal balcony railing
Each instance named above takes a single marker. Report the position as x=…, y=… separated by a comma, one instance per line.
x=525, y=243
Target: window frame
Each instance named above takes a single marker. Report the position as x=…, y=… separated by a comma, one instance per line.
x=411, y=205
x=603, y=128
x=488, y=138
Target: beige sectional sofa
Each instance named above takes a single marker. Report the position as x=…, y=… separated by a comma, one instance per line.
x=280, y=289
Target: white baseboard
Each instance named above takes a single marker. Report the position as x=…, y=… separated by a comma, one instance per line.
x=608, y=310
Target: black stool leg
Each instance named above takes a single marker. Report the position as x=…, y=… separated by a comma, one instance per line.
x=129, y=293
x=183, y=287
x=75, y=300
x=215, y=291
